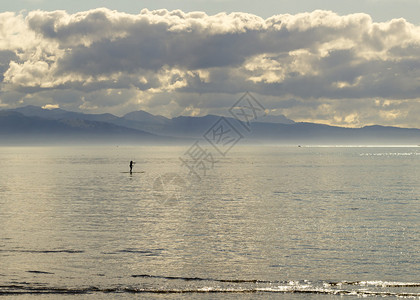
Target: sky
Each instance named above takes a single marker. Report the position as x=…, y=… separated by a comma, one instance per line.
x=346, y=63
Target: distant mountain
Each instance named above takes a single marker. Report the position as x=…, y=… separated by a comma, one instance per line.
x=188, y=126
x=181, y=127
x=58, y=114
x=274, y=119
x=16, y=127
x=144, y=117
x=33, y=123
x=310, y=133
x=139, y=120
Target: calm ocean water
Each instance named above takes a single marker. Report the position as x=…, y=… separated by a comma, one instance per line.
x=264, y=222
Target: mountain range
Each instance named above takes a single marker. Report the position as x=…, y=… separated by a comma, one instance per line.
x=34, y=125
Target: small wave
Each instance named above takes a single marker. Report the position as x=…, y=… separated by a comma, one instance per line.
x=203, y=279
x=40, y=272
x=16, y=290
x=340, y=292
x=41, y=251
x=225, y=286
x=377, y=283
x=391, y=154
x=153, y=252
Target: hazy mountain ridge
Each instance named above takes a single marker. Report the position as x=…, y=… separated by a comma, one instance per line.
x=34, y=122
x=17, y=127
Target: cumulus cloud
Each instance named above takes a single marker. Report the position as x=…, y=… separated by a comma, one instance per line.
x=316, y=66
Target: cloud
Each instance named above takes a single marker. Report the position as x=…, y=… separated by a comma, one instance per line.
x=51, y=106
x=316, y=66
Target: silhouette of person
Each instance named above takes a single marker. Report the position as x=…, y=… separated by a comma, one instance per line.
x=131, y=166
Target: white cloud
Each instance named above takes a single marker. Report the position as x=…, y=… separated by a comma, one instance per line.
x=334, y=67
x=51, y=106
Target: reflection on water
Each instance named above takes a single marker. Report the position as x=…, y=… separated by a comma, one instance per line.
x=264, y=219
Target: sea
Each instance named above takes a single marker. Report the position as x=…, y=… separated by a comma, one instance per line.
x=254, y=222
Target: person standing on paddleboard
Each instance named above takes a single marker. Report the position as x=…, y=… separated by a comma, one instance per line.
x=131, y=166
